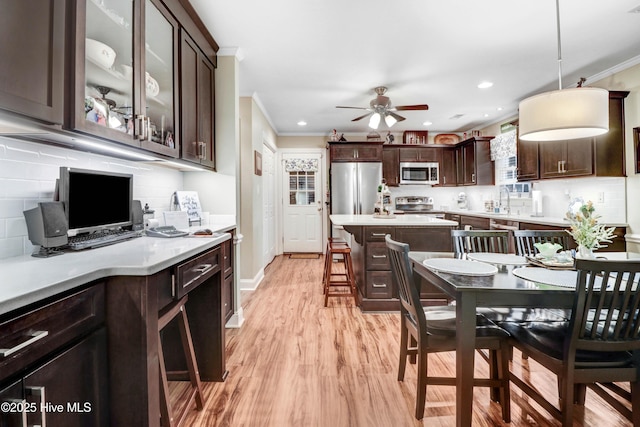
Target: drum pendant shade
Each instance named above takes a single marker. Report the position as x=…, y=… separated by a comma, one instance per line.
x=581, y=112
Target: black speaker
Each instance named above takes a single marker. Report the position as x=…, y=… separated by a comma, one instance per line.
x=47, y=227
x=137, y=215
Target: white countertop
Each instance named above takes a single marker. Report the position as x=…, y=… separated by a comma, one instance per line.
x=547, y=220
x=27, y=279
x=398, y=220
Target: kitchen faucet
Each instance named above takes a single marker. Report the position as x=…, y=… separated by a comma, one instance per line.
x=503, y=188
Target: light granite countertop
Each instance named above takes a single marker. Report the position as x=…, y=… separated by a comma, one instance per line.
x=556, y=221
x=396, y=220
x=27, y=279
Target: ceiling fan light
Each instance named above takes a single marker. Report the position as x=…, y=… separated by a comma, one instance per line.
x=390, y=120
x=374, y=121
x=564, y=114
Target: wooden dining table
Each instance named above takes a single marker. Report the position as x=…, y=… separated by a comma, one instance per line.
x=502, y=289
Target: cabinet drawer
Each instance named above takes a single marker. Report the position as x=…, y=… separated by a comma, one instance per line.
x=377, y=256
x=379, y=284
x=376, y=234
x=33, y=335
x=192, y=273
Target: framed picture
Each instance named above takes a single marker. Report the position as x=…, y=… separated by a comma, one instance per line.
x=257, y=162
x=636, y=144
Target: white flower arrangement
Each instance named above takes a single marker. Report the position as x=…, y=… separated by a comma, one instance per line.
x=585, y=229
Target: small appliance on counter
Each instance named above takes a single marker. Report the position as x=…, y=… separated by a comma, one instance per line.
x=462, y=200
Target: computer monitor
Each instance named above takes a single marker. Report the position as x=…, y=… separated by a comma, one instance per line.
x=95, y=200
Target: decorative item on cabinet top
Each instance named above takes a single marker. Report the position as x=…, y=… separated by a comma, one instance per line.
x=446, y=138
x=415, y=137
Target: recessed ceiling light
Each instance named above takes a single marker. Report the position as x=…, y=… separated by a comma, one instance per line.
x=499, y=108
x=486, y=114
x=485, y=85
x=427, y=123
x=302, y=123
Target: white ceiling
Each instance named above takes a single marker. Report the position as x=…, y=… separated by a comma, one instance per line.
x=301, y=58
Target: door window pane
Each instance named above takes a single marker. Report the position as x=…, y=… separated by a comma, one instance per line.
x=302, y=188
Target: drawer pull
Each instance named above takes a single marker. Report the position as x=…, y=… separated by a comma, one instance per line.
x=203, y=268
x=375, y=285
x=35, y=336
x=378, y=234
x=39, y=392
x=378, y=256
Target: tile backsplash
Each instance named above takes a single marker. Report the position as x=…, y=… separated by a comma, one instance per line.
x=28, y=172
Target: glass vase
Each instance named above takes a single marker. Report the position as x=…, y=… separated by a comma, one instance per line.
x=585, y=252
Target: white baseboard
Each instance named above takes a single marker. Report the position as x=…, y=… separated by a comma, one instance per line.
x=252, y=284
x=236, y=320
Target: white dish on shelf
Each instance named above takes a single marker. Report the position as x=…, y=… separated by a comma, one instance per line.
x=564, y=278
x=460, y=266
x=99, y=53
x=153, y=89
x=497, y=259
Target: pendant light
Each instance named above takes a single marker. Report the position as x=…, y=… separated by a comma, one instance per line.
x=374, y=121
x=565, y=113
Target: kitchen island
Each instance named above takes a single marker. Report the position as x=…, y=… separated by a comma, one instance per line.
x=376, y=291
x=84, y=325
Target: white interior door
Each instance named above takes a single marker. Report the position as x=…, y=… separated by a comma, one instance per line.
x=268, y=202
x=303, y=206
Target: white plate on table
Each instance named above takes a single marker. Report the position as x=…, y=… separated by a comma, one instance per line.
x=564, y=278
x=497, y=259
x=460, y=266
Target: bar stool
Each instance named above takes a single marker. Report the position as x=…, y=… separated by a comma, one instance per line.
x=177, y=309
x=331, y=241
x=338, y=247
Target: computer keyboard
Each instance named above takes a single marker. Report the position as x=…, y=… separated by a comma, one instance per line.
x=102, y=238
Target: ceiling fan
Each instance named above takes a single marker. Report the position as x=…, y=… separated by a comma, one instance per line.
x=380, y=107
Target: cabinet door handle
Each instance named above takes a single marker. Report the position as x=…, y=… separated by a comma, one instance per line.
x=203, y=150
x=375, y=285
x=378, y=256
x=473, y=177
x=564, y=166
x=39, y=391
x=35, y=336
x=444, y=179
x=559, y=166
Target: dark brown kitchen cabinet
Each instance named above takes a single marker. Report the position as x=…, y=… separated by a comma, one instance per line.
x=448, y=168
x=609, y=158
x=559, y=159
x=227, y=275
x=527, y=153
x=125, y=74
x=197, y=102
x=356, y=152
x=420, y=154
x=56, y=354
x=391, y=165
x=32, y=56
x=476, y=223
x=474, y=163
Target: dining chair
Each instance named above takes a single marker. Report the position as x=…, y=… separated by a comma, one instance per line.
x=468, y=241
x=598, y=347
x=525, y=240
x=433, y=329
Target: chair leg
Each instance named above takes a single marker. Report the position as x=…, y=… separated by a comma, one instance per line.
x=566, y=401
x=503, y=374
x=635, y=403
x=402, y=364
x=421, y=389
x=495, y=368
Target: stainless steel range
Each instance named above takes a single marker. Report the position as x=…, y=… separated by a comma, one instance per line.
x=414, y=204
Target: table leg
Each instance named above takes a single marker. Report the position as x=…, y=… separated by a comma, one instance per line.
x=465, y=353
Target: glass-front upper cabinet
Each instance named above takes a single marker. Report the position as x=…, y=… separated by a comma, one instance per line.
x=161, y=49
x=125, y=73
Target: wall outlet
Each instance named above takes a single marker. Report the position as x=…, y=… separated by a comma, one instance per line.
x=601, y=197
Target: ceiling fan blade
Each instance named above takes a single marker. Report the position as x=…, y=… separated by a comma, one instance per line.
x=361, y=117
x=412, y=107
x=355, y=108
x=396, y=116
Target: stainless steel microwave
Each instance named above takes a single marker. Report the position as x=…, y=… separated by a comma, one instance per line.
x=419, y=173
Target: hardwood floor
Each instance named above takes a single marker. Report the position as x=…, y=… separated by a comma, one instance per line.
x=297, y=363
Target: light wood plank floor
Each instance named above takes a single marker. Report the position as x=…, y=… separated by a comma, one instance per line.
x=296, y=363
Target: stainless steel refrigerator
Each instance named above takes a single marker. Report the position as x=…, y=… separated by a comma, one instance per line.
x=354, y=187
